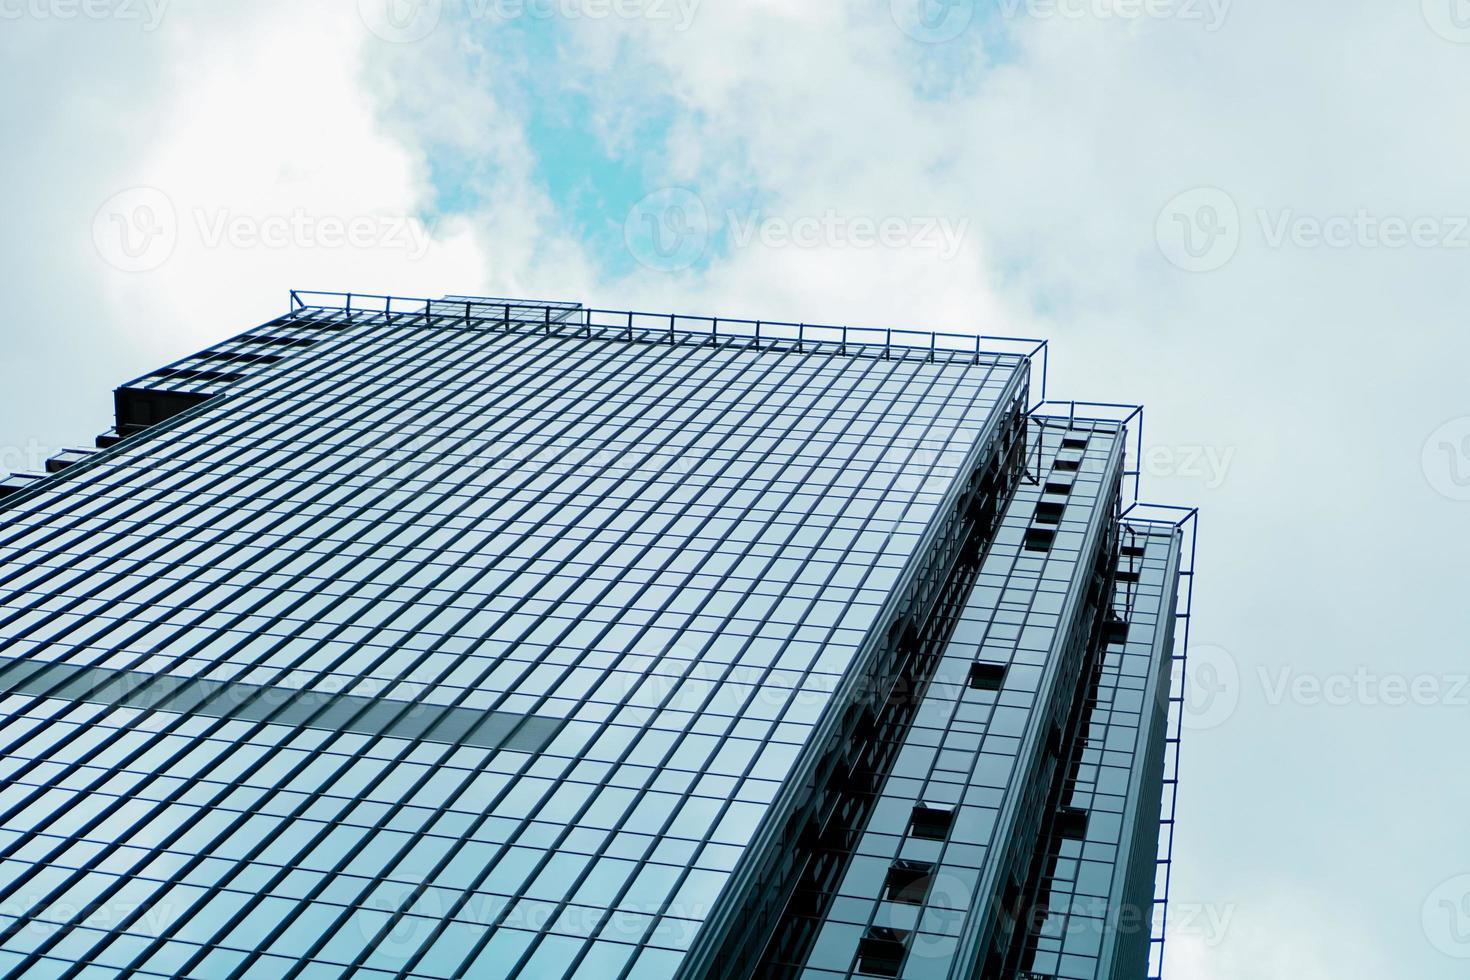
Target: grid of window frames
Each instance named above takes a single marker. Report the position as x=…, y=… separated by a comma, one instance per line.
x=1096, y=899
x=944, y=828
x=668, y=551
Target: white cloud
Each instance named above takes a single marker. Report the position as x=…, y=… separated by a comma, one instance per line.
x=279, y=175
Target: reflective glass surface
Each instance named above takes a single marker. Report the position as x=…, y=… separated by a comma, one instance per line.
x=974, y=745
x=431, y=648
x=1100, y=881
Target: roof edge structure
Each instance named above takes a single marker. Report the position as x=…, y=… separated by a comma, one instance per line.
x=775, y=334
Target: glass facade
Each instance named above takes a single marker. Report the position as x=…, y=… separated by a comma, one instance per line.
x=982, y=747
x=490, y=638
x=1094, y=897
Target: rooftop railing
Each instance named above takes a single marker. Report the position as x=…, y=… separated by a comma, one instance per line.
x=883, y=342
x=1128, y=418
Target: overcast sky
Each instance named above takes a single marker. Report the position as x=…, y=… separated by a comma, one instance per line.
x=1252, y=216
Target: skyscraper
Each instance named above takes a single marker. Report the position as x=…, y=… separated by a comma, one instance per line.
x=480, y=637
